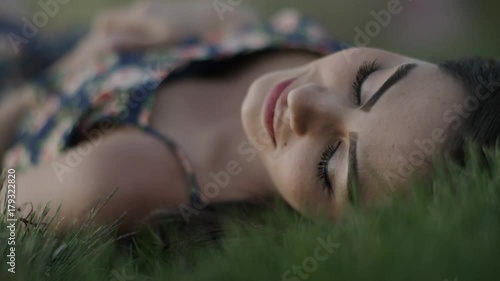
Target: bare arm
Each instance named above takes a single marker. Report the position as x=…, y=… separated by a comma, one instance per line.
x=137, y=169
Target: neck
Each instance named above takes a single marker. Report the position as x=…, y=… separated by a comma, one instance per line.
x=237, y=173
x=246, y=176
x=227, y=166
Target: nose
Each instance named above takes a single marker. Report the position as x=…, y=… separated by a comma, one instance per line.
x=314, y=108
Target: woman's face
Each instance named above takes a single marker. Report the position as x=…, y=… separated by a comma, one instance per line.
x=360, y=117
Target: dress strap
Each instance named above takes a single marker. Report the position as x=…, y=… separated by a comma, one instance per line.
x=181, y=156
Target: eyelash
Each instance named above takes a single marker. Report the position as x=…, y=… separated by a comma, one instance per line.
x=323, y=164
x=364, y=71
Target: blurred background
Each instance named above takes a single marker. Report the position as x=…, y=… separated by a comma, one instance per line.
x=428, y=29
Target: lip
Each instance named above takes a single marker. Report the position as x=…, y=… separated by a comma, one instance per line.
x=271, y=104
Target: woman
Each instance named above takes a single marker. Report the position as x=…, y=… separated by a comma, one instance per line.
x=167, y=114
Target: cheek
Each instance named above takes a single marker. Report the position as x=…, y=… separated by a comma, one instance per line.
x=294, y=176
x=390, y=151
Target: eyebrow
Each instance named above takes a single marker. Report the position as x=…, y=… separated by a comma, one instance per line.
x=401, y=73
x=352, y=172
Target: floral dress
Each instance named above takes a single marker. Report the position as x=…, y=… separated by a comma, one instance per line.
x=120, y=88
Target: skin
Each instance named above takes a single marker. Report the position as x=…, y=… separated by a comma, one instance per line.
x=155, y=180
x=320, y=111
x=214, y=117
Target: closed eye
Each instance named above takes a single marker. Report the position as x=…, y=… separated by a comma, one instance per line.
x=322, y=170
x=364, y=71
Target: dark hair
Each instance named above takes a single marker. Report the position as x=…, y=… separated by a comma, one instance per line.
x=480, y=79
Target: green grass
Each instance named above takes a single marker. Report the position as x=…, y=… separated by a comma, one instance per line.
x=448, y=232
